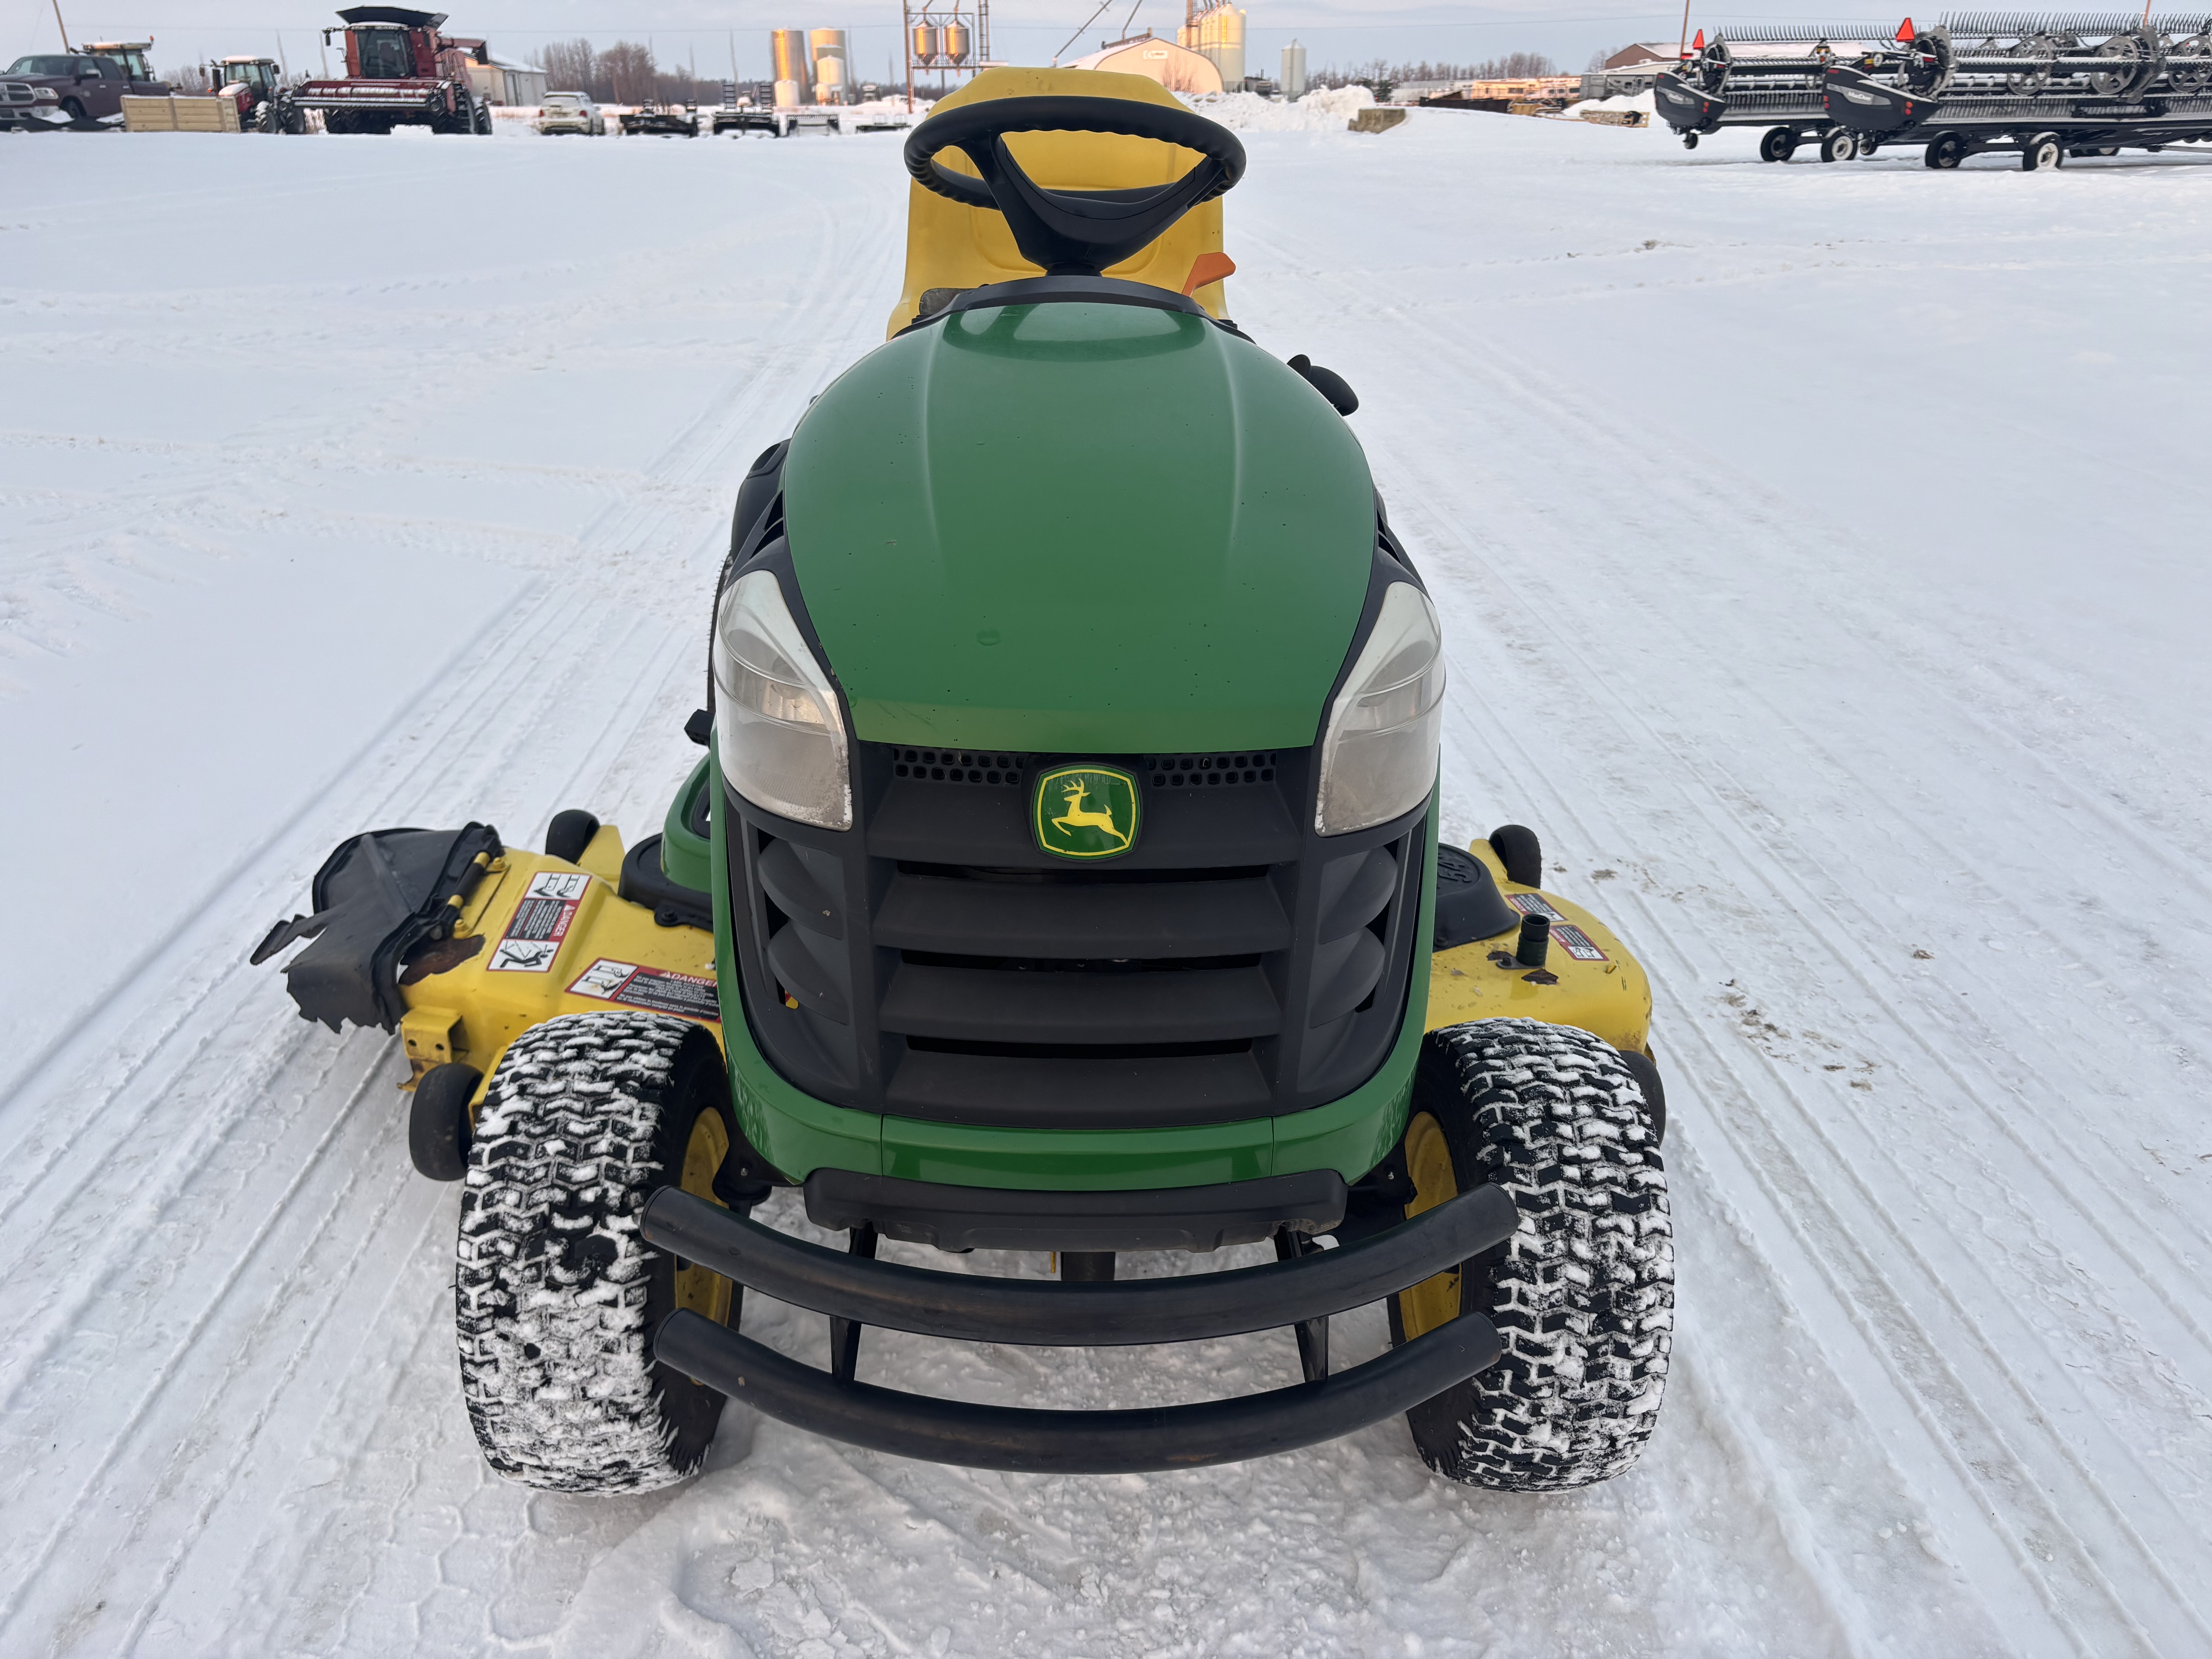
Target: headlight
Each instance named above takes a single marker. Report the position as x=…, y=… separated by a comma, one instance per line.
x=1379, y=757
x=48, y=95
x=776, y=726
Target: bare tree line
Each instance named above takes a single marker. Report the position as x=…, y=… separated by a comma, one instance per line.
x=1380, y=77
x=624, y=73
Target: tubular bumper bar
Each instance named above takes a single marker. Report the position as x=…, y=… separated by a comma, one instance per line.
x=1077, y=1442
x=1044, y=1313
x=858, y=1290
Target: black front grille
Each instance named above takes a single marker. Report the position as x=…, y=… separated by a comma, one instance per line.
x=933, y=963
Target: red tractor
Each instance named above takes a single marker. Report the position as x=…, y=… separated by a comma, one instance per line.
x=400, y=72
x=265, y=103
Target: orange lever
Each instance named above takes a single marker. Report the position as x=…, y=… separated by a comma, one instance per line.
x=1208, y=268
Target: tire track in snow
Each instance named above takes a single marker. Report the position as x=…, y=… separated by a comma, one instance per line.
x=547, y=651
x=1501, y=382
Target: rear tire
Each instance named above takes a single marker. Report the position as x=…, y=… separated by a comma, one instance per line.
x=557, y=1297
x=1582, y=1294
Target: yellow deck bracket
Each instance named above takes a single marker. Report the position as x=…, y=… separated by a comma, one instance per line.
x=432, y=1035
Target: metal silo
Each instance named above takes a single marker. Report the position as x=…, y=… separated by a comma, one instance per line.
x=924, y=42
x=1294, y=71
x=830, y=78
x=792, y=62
x=956, y=42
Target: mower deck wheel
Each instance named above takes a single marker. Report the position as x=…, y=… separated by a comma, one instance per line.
x=1777, y=143
x=1837, y=145
x=438, y=1128
x=1582, y=1294
x=569, y=834
x=2042, y=153
x=1521, y=854
x=556, y=1293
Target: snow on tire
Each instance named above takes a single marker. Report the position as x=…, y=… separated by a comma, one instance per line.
x=1582, y=1294
x=556, y=1296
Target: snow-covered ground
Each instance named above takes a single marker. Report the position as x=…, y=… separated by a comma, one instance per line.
x=1821, y=548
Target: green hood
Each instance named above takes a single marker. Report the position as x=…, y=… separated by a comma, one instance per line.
x=1078, y=526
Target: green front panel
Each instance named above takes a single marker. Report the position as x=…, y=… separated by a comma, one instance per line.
x=1069, y=527
x=1079, y=1160
x=683, y=855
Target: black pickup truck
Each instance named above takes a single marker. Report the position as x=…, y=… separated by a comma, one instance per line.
x=82, y=89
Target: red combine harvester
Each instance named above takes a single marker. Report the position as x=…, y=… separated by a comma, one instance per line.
x=400, y=72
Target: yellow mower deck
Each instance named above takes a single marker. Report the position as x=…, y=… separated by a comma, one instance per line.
x=1588, y=980
x=540, y=937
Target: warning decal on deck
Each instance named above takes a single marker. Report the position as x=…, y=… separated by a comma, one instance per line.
x=1565, y=934
x=540, y=923
x=1577, y=944
x=657, y=988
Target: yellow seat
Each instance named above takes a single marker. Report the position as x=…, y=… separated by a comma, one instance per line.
x=950, y=246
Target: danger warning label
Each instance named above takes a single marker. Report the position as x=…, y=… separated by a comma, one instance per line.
x=540, y=923
x=663, y=992
x=1533, y=904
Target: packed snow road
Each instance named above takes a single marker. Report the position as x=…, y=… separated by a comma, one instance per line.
x=1819, y=549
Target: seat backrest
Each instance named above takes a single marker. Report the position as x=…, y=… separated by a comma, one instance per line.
x=954, y=246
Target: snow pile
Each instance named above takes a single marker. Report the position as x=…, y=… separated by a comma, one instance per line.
x=1641, y=100
x=1323, y=110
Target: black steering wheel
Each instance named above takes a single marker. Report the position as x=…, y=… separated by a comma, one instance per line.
x=1073, y=232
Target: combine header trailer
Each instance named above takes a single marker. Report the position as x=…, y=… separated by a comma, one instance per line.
x=1773, y=77
x=2043, y=87
x=400, y=72
x=2047, y=87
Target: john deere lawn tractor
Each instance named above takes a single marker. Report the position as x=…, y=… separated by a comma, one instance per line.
x=1060, y=882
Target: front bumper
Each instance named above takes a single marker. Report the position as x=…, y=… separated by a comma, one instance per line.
x=1302, y=1292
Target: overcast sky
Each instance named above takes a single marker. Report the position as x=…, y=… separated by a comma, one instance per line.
x=1343, y=32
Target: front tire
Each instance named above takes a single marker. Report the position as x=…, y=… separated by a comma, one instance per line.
x=557, y=1297
x=1582, y=1294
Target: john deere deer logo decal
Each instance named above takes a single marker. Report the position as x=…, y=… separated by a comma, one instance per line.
x=1087, y=811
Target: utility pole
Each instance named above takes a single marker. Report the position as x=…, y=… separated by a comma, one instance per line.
x=1682, y=47
x=283, y=62
x=63, y=27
